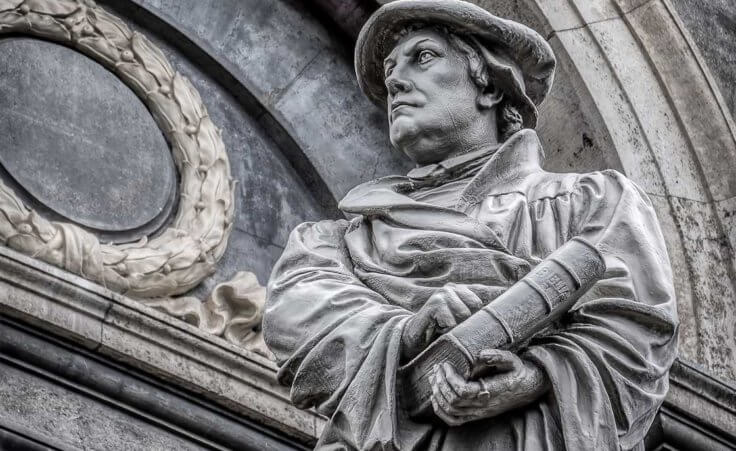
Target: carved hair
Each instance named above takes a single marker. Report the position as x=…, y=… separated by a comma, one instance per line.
x=509, y=120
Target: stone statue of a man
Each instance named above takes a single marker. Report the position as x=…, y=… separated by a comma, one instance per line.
x=350, y=302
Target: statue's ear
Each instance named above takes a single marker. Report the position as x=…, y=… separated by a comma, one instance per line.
x=490, y=97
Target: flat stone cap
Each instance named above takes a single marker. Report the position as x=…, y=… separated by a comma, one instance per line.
x=527, y=50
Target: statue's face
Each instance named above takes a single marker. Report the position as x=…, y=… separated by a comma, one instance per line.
x=431, y=98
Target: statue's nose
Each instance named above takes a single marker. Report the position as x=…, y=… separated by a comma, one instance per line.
x=396, y=85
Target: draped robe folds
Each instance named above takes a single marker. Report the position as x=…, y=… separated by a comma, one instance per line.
x=342, y=292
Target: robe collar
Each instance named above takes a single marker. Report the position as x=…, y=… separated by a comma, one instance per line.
x=504, y=171
x=454, y=168
x=507, y=170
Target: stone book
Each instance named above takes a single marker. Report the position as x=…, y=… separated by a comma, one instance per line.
x=527, y=307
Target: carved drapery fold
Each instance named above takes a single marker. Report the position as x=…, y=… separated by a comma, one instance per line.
x=233, y=310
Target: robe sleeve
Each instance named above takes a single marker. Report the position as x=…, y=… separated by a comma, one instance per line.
x=608, y=361
x=336, y=341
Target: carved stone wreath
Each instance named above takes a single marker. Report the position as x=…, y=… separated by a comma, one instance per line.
x=185, y=253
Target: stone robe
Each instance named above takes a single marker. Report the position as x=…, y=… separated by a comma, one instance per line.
x=342, y=292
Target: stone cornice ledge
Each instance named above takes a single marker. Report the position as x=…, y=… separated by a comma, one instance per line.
x=700, y=410
x=125, y=330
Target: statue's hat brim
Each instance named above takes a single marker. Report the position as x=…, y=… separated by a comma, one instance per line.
x=530, y=52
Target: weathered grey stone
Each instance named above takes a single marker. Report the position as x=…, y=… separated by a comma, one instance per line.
x=70, y=420
x=349, y=147
x=116, y=393
x=714, y=301
x=698, y=105
x=642, y=92
x=279, y=51
x=611, y=104
x=727, y=212
x=688, y=340
x=712, y=24
x=79, y=141
x=570, y=127
x=55, y=301
x=551, y=16
x=271, y=42
x=694, y=394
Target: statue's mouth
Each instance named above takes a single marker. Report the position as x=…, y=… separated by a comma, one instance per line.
x=395, y=105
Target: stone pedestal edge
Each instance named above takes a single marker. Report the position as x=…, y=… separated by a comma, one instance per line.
x=106, y=323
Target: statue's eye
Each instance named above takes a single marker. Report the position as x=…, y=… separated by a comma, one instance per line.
x=425, y=56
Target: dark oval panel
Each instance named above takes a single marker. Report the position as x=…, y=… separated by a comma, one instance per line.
x=78, y=140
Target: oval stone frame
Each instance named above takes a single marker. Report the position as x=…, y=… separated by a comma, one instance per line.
x=186, y=252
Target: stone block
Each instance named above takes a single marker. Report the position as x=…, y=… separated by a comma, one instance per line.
x=652, y=111
x=340, y=131
x=178, y=352
x=269, y=42
x=689, y=341
x=712, y=25
x=609, y=99
x=572, y=131
x=688, y=85
x=72, y=420
x=48, y=301
x=708, y=254
x=151, y=341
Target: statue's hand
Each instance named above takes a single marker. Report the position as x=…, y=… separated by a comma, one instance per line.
x=517, y=382
x=443, y=310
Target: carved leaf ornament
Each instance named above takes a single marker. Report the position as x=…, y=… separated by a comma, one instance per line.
x=186, y=252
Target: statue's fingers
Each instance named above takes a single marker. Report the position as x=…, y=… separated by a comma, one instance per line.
x=459, y=310
x=439, y=385
x=498, y=360
x=469, y=298
x=499, y=386
x=440, y=400
x=452, y=398
x=463, y=388
x=444, y=318
x=449, y=419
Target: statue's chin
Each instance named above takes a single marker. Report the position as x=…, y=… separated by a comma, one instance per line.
x=420, y=144
x=407, y=137
x=403, y=131
x=419, y=149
